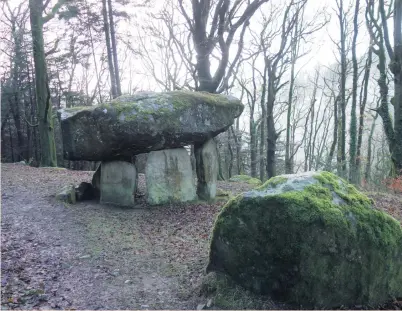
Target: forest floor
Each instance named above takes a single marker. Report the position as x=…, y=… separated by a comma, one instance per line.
x=93, y=256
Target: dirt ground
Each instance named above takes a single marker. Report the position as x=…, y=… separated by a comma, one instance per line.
x=93, y=256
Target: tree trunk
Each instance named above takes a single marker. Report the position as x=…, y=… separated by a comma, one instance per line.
x=354, y=173
x=114, y=48
x=363, y=102
x=367, y=172
x=113, y=84
x=288, y=157
x=253, y=148
x=397, y=71
x=341, y=152
x=328, y=166
x=46, y=130
x=230, y=166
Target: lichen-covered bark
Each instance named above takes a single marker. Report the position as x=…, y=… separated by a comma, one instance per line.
x=46, y=129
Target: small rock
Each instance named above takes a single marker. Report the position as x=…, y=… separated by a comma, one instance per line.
x=127, y=282
x=144, y=306
x=85, y=257
x=67, y=194
x=43, y=297
x=201, y=306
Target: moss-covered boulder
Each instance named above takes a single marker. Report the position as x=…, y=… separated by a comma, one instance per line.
x=311, y=240
x=246, y=179
x=144, y=122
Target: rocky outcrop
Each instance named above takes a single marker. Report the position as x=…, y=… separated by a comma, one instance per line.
x=134, y=124
x=310, y=240
x=207, y=169
x=118, y=183
x=169, y=177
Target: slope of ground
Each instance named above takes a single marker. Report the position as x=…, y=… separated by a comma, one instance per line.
x=93, y=256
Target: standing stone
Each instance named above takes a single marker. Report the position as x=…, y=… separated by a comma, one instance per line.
x=207, y=169
x=96, y=178
x=169, y=177
x=118, y=182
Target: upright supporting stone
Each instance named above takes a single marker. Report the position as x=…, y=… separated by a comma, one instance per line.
x=118, y=182
x=206, y=157
x=169, y=177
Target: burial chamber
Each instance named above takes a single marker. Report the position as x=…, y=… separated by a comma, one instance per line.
x=156, y=123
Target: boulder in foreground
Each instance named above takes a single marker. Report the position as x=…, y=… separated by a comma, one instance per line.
x=310, y=240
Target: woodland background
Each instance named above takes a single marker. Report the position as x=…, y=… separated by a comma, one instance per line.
x=321, y=81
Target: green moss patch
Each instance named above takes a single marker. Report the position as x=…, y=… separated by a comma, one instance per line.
x=246, y=179
x=311, y=240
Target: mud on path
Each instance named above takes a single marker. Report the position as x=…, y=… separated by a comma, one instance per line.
x=93, y=256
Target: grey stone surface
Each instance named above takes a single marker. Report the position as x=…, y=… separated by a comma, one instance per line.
x=134, y=124
x=169, y=177
x=118, y=182
x=67, y=194
x=207, y=169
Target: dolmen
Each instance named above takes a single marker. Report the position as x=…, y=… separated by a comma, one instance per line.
x=160, y=124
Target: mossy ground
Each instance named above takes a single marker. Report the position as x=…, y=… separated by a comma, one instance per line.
x=246, y=179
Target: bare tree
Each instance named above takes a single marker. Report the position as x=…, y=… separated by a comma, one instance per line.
x=226, y=22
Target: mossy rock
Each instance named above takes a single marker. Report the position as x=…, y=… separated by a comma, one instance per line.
x=310, y=240
x=223, y=193
x=246, y=179
x=67, y=194
x=144, y=122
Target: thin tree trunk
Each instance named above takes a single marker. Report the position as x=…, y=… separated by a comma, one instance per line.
x=272, y=136
x=253, y=148
x=367, y=172
x=10, y=133
x=354, y=173
x=328, y=166
x=114, y=48
x=113, y=84
x=342, y=105
x=397, y=71
x=230, y=166
x=361, y=114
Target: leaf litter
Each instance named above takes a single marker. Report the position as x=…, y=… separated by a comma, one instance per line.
x=94, y=256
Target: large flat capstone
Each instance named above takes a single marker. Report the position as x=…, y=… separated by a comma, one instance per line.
x=144, y=122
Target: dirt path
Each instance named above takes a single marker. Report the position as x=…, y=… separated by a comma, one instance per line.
x=92, y=256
